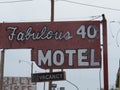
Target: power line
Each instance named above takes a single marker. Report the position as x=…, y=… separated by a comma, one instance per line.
x=91, y=18
x=16, y=1
x=95, y=6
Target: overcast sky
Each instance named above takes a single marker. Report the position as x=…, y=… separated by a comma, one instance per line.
x=65, y=10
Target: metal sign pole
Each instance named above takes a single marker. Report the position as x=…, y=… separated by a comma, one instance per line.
x=52, y=10
x=105, y=53
x=1, y=69
x=52, y=20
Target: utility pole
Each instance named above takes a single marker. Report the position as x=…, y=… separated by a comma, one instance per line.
x=52, y=20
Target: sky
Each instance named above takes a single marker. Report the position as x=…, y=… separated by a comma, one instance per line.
x=65, y=10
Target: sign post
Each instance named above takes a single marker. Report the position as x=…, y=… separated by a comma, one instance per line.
x=52, y=20
x=1, y=68
x=105, y=53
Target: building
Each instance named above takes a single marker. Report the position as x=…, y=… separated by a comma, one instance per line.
x=18, y=83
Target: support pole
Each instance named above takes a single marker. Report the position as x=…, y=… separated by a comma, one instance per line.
x=52, y=20
x=52, y=10
x=31, y=68
x=1, y=69
x=105, y=53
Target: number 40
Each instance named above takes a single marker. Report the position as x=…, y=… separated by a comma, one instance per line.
x=90, y=31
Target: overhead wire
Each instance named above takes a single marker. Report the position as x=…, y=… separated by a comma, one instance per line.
x=95, y=6
x=15, y=1
x=91, y=18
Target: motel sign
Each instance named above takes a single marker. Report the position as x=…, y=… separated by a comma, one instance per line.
x=56, y=45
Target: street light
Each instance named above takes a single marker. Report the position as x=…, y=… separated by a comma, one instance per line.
x=73, y=84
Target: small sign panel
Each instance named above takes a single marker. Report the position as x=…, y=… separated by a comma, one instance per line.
x=42, y=77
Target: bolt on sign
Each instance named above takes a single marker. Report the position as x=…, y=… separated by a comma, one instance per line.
x=56, y=45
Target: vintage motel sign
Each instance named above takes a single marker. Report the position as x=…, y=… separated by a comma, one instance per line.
x=72, y=44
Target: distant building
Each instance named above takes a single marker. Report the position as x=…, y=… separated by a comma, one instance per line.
x=18, y=83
